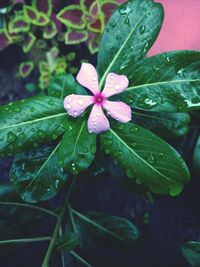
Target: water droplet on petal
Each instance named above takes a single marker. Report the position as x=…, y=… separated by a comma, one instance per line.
x=117, y=86
x=80, y=102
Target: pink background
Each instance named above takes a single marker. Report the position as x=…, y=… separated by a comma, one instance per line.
x=181, y=28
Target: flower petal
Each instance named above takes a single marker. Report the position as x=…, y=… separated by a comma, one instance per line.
x=115, y=84
x=75, y=105
x=88, y=77
x=118, y=110
x=97, y=122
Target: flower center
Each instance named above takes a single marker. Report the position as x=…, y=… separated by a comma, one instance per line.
x=99, y=99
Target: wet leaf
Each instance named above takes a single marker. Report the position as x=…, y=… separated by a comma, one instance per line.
x=143, y=155
x=196, y=156
x=167, y=82
x=68, y=242
x=30, y=123
x=104, y=225
x=37, y=175
x=63, y=85
x=166, y=125
x=129, y=34
x=191, y=251
x=77, y=147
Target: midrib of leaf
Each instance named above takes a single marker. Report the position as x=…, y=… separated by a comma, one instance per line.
x=78, y=136
x=129, y=148
x=42, y=167
x=119, y=52
x=160, y=83
x=88, y=220
x=62, y=94
x=33, y=121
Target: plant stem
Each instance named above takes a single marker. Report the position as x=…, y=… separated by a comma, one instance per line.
x=71, y=217
x=62, y=255
x=30, y=206
x=80, y=259
x=57, y=227
x=25, y=240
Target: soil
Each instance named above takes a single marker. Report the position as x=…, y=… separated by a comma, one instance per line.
x=171, y=220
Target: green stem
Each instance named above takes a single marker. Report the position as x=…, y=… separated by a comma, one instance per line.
x=71, y=217
x=30, y=206
x=80, y=259
x=62, y=255
x=57, y=227
x=25, y=240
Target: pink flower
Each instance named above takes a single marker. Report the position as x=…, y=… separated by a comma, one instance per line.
x=75, y=105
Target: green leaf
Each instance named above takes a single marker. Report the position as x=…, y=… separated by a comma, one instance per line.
x=37, y=175
x=63, y=85
x=30, y=123
x=196, y=156
x=77, y=147
x=71, y=56
x=167, y=82
x=191, y=251
x=68, y=242
x=129, y=34
x=7, y=192
x=16, y=221
x=143, y=155
x=111, y=226
x=166, y=125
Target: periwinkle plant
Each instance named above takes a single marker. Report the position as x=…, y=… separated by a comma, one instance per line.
x=168, y=82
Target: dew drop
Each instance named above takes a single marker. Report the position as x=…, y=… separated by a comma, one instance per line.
x=80, y=102
x=134, y=129
x=150, y=158
x=142, y=29
x=117, y=86
x=129, y=173
x=11, y=137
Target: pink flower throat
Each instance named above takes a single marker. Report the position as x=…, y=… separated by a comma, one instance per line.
x=99, y=99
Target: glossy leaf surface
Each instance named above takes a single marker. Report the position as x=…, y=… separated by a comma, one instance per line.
x=63, y=85
x=196, y=156
x=29, y=123
x=143, y=155
x=68, y=241
x=164, y=124
x=128, y=36
x=167, y=82
x=77, y=147
x=37, y=175
x=191, y=251
x=111, y=226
